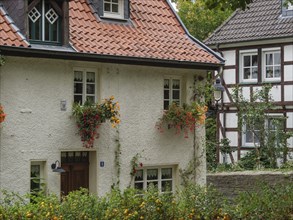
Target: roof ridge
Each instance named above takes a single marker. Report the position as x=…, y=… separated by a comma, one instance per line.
x=201, y=44
x=12, y=24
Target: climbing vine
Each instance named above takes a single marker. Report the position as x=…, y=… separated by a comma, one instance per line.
x=118, y=157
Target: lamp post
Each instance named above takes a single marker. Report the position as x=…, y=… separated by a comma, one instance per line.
x=218, y=94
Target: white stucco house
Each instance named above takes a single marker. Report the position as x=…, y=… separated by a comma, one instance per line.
x=257, y=45
x=59, y=52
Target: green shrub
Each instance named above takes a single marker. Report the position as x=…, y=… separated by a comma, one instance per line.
x=192, y=202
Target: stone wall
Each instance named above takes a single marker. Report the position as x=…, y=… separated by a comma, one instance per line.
x=230, y=184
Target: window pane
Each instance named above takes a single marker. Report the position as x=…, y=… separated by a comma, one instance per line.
x=277, y=57
x=107, y=7
x=167, y=173
x=176, y=84
x=78, y=99
x=277, y=71
x=249, y=137
x=115, y=8
x=154, y=184
x=78, y=88
x=166, y=105
x=246, y=73
x=77, y=76
x=166, y=186
x=176, y=94
x=115, y=1
x=166, y=83
x=269, y=72
x=152, y=174
x=269, y=59
x=90, y=88
x=90, y=99
x=254, y=73
x=35, y=178
x=166, y=94
x=138, y=175
x=246, y=61
x=138, y=185
x=254, y=60
x=90, y=77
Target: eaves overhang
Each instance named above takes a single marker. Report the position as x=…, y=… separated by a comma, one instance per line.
x=104, y=58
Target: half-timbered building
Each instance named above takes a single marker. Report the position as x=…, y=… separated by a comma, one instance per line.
x=257, y=45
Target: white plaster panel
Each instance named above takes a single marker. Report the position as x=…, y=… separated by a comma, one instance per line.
x=231, y=120
x=246, y=93
x=288, y=72
x=42, y=131
x=233, y=137
x=288, y=53
x=289, y=120
x=229, y=76
x=288, y=90
x=276, y=93
x=290, y=142
x=229, y=56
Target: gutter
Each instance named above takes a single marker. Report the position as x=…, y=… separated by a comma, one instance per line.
x=72, y=55
x=193, y=38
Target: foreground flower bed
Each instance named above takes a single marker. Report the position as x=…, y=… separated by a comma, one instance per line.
x=192, y=202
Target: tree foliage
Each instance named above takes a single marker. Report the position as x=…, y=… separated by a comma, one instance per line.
x=199, y=20
x=227, y=4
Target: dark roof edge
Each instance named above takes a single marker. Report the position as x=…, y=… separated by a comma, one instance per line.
x=222, y=60
x=40, y=53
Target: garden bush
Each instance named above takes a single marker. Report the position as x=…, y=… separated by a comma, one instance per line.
x=192, y=202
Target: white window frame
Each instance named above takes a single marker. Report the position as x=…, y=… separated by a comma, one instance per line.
x=264, y=53
x=241, y=69
x=84, y=83
x=159, y=180
x=266, y=124
x=171, y=100
x=41, y=165
x=115, y=15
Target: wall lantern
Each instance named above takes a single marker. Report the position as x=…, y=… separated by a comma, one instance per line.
x=56, y=168
x=218, y=89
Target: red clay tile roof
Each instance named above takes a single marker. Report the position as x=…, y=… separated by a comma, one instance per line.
x=154, y=32
x=10, y=35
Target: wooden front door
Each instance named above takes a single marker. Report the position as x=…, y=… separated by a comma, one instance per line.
x=76, y=165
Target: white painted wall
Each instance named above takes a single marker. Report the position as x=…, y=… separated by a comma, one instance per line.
x=288, y=73
x=231, y=121
x=36, y=128
x=230, y=57
x=288, y=53
x=229, y=76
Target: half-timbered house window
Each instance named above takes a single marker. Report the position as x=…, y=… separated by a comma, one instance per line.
x=249, y=66
x=272, y=65
x=45, y=19
x=172, y=91
x=160, y=177
x=85, y=83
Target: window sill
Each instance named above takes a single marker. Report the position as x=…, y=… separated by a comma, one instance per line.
x=114, y=18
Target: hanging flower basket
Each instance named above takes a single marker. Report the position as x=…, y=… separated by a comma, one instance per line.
x=90, y=116
x=182, y=118
x=2, y=114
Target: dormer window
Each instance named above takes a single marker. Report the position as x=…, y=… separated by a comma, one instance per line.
x=45, y=20
x=114, y=9
x=287, y=9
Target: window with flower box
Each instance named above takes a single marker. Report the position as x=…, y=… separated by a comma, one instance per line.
x=172, y=91
x=85, y=83
x=162, y=178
